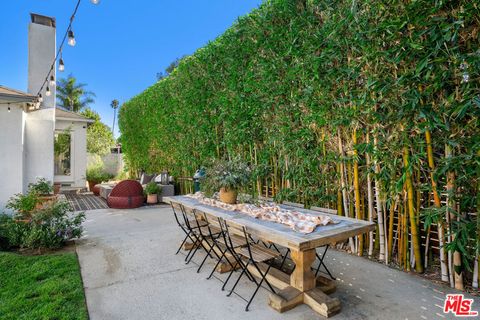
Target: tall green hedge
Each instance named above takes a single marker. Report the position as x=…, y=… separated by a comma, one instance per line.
x=289, y=82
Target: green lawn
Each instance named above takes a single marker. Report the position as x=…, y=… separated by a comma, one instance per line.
x=41, y=287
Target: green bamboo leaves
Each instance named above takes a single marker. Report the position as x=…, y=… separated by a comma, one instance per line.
x=286, y=86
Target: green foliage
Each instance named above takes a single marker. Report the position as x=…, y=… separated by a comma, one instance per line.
x=90, y=114
x=97, y=174
x=288, y=83
x=229, y=174
x=41, y=287
x=99, y=136
x=49, y=227
x=62, y=143
x=41, y=187
x=152, y=188
x=23, y=203
x=72, y=95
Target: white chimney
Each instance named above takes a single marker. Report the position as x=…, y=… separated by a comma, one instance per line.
x=41, y=53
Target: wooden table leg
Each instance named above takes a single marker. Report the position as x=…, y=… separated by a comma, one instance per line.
x=303, y=277
x=305, y=288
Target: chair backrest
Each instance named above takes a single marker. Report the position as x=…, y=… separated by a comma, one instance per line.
x=178, y=212
x=294, y=204
x=204, y=218
x=127, y=188
x=326, y=210
x=232, y=228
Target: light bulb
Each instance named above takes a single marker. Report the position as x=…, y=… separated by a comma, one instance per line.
x=48, y=92
x=9, y=109
x=52, y=81
x=40, y=98
x=95, y=1
x=61, y=65
x=71, y=38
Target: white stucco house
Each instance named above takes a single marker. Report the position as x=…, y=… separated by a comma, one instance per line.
x=37, y=139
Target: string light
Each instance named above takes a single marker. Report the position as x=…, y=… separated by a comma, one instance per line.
x=71, y=41
x=61, y=65
x=71, y=38
x=52, y=81
x=48, y=92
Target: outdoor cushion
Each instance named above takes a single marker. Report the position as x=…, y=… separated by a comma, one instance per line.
x=146, y=178
x=126, y=195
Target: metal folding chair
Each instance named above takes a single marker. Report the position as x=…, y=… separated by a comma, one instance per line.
x=178, y=211
x=254, y=255
x=213, y=236
x=201, y=231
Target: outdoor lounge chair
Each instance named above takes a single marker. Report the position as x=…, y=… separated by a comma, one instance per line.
x=127, y=194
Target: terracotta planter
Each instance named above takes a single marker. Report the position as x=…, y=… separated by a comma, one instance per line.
x=92, y=184
x=228, y=196
x=45, y=200
x=56, y=187
x=152, y=198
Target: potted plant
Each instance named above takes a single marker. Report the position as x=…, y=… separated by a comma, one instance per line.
x=152, y=190
x=96, y=175
x=228, y=177
x=43, y=189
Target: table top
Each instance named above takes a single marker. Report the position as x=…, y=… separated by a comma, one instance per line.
x=281, y=234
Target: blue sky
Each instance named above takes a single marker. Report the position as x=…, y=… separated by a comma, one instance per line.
x=121, y=45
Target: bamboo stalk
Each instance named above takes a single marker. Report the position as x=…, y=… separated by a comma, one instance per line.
x=457, y=258
x=411, y=212
x=378, y=199
x=356, y=189
x=436, y=199
x=344, y=187
x=390, y=227
x=370, y=201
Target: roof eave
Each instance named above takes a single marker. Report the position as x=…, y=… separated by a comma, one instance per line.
x=12, y=98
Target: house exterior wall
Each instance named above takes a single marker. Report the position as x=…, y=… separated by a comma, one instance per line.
x=11, y=151
x=78, y=131
x=38, y=152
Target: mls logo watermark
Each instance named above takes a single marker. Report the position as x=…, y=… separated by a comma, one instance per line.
x=459, y=306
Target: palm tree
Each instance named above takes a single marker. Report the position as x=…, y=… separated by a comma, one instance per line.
x=72, y=95
x=114, y=105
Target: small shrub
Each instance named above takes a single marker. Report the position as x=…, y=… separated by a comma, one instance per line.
x=98, y=175
x=23, y=203
x=152, y=188
x=41, y=187
x=49, y=228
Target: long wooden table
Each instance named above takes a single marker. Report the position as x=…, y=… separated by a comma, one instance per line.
x=301, y=286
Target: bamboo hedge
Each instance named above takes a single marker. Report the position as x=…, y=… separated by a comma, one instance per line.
x=368, y=107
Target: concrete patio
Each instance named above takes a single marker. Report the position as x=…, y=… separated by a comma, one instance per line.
x=130, y=271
